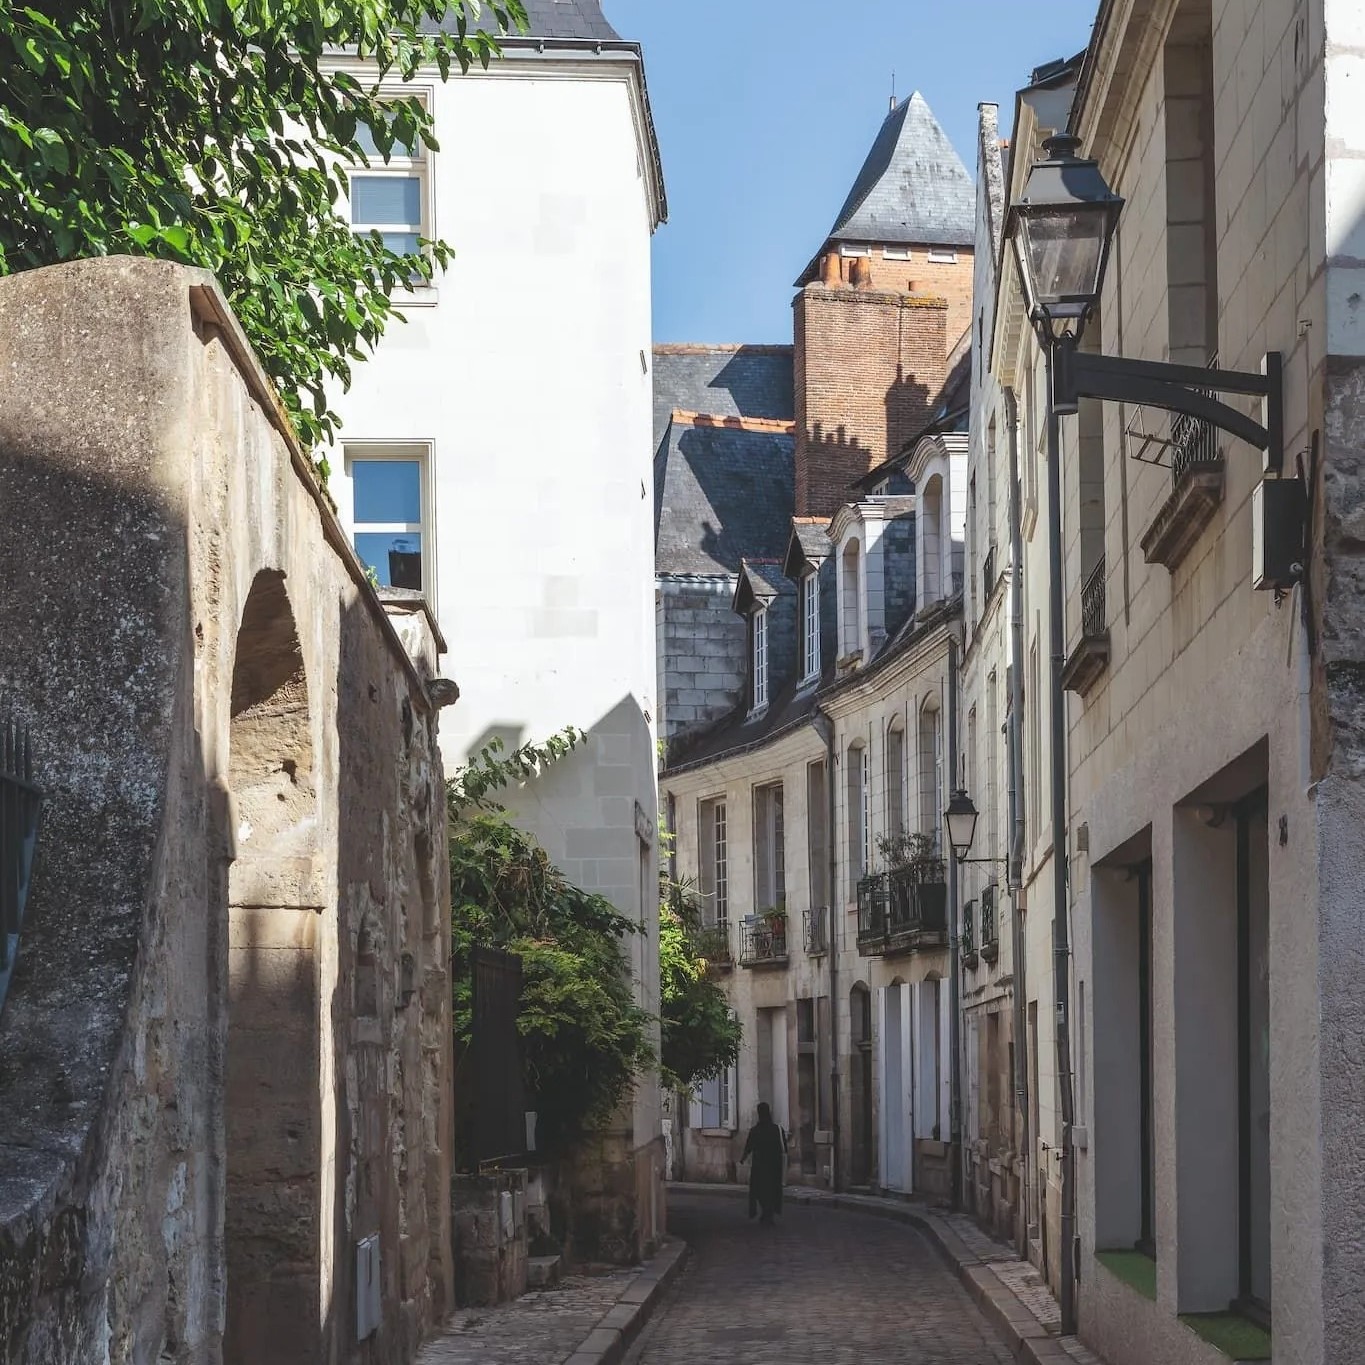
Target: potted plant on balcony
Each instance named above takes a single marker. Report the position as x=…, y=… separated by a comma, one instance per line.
x=776, y=915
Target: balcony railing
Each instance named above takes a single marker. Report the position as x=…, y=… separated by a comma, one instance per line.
x=904, y=909
x=817, y=931
x=987, y=576
x=990, y=926
x=873, y=895
x=1094, y=619
x=763, y=942
x=713, y=943
x=1090, y=657
x=967, y=943
x=1196, y=489
x=20, y=804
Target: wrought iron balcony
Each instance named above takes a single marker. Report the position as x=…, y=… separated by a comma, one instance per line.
x=817, y=931
x=967, y=943
x=1090, y=657
x=918, y=911
x=990, y=926
x=20, y=805
x=1196, y=489
x=763, y=941
x=987, y=576
x=713, y=944
x=904, y=910
x=873, y=895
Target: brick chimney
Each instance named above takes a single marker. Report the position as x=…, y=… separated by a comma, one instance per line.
x=869, y=366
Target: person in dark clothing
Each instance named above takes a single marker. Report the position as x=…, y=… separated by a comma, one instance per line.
x=767, y=1147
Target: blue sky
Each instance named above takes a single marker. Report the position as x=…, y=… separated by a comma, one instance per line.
x=766, y=109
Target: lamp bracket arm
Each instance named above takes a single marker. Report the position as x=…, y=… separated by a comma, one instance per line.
x=1184, y=389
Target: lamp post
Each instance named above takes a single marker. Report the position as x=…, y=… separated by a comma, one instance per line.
x=1062, y=228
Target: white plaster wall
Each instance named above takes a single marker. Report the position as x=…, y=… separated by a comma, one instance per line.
x=525, y=375
x=525, y=371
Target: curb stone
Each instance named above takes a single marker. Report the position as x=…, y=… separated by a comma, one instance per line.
x=621, y=1324
x=1030, y=1340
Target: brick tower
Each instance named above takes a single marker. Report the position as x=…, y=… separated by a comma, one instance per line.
x=884, y=303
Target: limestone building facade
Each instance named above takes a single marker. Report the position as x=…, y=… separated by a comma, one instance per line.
x=225, y=1053
x=494, y=456
x=1213, y=768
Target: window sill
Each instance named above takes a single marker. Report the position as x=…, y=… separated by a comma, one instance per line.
x=1134, y=1268
x=715, y=1132
x=1236, y=1337
x=427, y=297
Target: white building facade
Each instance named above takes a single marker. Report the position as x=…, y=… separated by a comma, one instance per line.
x=495, y=448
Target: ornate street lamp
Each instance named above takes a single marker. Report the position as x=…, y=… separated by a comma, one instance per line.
x=960, y=817
x=1061, y=227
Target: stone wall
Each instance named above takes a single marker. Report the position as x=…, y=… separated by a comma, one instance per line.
x=703, y=652
x=225, y=1057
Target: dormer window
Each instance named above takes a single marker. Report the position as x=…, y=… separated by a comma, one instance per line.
x=851, y=613
x=810, y=627
x=759, y=632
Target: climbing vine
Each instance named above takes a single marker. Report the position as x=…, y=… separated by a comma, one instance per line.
x=700, y=1035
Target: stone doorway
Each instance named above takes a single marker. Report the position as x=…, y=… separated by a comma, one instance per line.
x=273, y=1120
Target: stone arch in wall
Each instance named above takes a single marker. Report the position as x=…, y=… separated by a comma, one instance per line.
x=273, y=1226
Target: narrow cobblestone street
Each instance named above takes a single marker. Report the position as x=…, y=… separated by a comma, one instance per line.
x=823, y=1286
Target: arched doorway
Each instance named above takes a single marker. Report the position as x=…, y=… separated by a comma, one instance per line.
x=273, y=1221
x=860, y=1074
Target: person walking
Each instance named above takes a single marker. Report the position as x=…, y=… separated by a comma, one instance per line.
x=766, y=1148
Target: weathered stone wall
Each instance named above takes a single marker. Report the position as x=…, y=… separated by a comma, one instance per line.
x=703, y=651
x=225, y=1057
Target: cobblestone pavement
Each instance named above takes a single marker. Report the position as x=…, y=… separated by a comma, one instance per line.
x=540, y=1328
x=823, y=1286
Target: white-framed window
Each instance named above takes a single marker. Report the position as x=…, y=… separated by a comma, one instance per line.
x=392, y=197
x=713, y=842
x=895, y=778
x=854, y=249
x=760, y=658
x=859, y=816
x=942, y=257
x=713, y=1106
x=896, y=253
x=391, y=512
x=851, y=614
x=810, y=626
x=770, y=849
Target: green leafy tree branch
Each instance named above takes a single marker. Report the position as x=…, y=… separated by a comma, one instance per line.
x=220, y=133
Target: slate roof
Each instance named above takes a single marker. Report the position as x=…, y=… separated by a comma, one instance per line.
x=720, y=495
x=725, y=381
x=575, y=19
x=912, y=189
x=569, y=19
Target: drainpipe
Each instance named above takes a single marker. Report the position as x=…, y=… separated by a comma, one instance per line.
x=1014, y=750
x=955, y=975
x=824, y=727
x=1061, y=937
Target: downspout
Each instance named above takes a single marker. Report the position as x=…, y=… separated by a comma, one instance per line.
x=1014, y=749
x=955, y=986
x=824, y=727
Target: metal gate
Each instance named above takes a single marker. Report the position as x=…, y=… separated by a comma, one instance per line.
x=499, y=1099
x=20, y=802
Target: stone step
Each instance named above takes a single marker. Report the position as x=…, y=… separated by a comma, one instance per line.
x=543, y=1271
